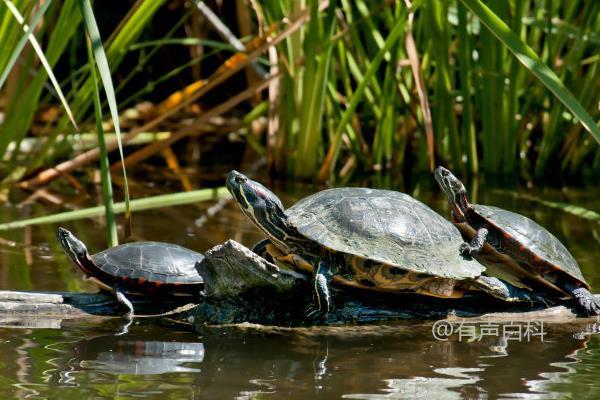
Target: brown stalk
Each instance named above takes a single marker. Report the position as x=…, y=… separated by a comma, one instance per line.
x=173, y=164
x=273, y=119
x=156, y=147
x=415, y=66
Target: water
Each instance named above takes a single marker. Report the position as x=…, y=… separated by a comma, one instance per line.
x=159, y=358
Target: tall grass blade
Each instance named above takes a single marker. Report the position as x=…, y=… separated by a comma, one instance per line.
x=107, y=194
x=102, y=62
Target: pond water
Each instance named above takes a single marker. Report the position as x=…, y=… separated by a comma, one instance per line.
x=159, y=358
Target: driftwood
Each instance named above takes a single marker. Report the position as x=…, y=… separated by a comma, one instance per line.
x=242, y=287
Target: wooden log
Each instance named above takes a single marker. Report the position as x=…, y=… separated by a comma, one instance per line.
x=242, y=287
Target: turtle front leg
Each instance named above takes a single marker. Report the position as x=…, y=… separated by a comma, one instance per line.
x=586, y=300
x=121, y=298
x=322, y=274
x=260, y=248
x=321, y=296
x=476, y=244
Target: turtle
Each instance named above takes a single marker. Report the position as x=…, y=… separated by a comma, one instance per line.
x=516, y=246
x=146, y=268
x=370, y=239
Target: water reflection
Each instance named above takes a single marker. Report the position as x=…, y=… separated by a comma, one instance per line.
x=393, y=361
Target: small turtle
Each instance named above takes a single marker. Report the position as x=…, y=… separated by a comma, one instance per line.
x=365, y=238
x=515, y=245
x=149, y=268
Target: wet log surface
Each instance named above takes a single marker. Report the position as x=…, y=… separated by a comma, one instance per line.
x=241, y=287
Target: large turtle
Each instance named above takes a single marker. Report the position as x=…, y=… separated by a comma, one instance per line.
x=148, y=268
x=372, y=239
x=521, y=250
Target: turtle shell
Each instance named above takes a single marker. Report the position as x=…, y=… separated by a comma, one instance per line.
x=385, y=226
x=162, y=263
x=534, y=237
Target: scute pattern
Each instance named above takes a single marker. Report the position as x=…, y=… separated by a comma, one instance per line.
x=152, y=261
x=534, y=236
x=384, y=226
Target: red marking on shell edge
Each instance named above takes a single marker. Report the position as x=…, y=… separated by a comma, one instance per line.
x=141, y=281
x=506, y=235
x=158, y=284
x=521, y=248
x=537, y=259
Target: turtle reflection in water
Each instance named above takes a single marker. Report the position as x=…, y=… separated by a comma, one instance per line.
x=371, y=239
x=143, y=356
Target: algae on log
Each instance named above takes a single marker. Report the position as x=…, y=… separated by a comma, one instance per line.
x=243, y=287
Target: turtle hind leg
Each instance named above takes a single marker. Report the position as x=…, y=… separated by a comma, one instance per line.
x=507, y=292
x=586, y=300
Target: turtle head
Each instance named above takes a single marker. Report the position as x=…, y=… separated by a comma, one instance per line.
x=455, y=191
x=73, y=247
x=259, y=204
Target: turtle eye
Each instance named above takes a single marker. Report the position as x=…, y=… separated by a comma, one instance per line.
x=240, y=179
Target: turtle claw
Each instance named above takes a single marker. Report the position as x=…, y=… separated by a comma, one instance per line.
x=313, y=312
x=465, y=249
x=536, y=299
x=588, y=301
x=543, y=300
x=529, y=299
x=316, y=317
x=476, y=244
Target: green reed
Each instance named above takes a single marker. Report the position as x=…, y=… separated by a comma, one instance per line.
x=510, y=86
